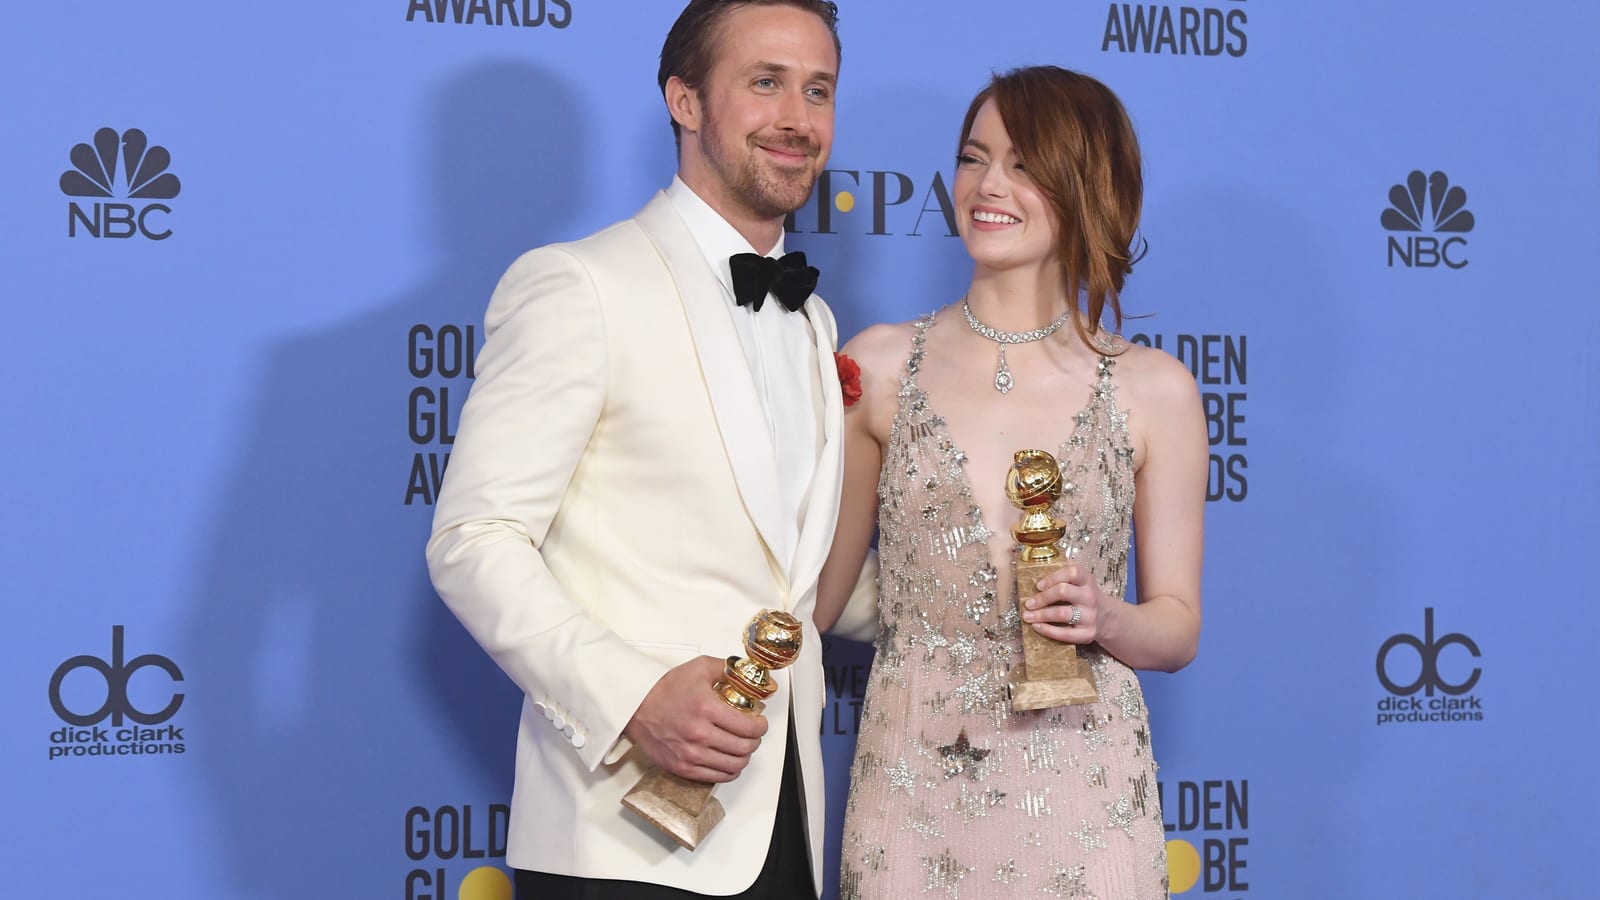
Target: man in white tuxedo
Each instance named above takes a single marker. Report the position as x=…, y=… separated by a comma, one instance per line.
x=649, y=456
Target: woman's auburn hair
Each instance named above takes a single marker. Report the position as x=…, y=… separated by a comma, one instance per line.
x=1081, y=152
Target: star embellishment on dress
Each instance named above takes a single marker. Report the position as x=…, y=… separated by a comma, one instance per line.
x=901, y=776
x=962, y=757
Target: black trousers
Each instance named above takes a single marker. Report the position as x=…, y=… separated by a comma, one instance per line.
x=785, y=876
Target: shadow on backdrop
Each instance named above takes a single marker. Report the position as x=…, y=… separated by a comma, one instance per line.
x=339, y=691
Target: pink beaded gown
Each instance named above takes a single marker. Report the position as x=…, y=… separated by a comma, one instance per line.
x=952, y=794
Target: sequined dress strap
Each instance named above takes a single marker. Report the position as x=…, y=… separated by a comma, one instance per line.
x=919, y=344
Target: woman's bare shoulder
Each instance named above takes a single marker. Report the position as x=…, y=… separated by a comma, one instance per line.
x=1152, y=377
x=881, y=348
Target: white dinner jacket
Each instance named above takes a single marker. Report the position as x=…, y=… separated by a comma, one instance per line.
x=611, y=510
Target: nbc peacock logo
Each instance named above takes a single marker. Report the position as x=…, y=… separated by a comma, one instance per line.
x=1431, y=204
x=119, y=167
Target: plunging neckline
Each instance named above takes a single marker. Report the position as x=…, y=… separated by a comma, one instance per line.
x=954, y=451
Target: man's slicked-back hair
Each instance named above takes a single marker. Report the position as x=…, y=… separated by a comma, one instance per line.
x=691, y=46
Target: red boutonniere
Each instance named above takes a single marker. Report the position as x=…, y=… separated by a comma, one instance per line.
x=849, y=378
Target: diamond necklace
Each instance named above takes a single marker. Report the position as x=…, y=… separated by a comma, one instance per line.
x=1003, y=382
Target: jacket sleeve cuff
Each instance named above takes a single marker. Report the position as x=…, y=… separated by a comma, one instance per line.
x=626, y=687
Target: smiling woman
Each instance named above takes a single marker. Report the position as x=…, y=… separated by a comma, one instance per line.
x=1047, y=195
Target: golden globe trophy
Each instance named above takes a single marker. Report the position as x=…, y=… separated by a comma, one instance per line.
x=684, y=809
x=1053, y=673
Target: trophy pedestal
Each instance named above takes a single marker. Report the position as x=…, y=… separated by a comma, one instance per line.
x=683, y=810
x=1053, y=674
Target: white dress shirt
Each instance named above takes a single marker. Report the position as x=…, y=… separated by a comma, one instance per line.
x=780, y=347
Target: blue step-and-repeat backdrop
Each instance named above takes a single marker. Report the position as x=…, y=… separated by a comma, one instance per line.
x=245, y=263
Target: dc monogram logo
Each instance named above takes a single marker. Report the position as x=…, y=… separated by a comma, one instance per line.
x=1428, y=649
x=144, y=176
x=116, y=674
x=1427, y=203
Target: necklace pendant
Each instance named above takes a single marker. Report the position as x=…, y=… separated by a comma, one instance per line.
x=1003, y=382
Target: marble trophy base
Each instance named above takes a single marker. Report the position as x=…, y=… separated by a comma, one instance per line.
x=684, y=810
x=1053, y=674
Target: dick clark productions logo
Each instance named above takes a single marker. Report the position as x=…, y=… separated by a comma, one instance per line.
x=95, y=172
x=106, y=682
x=1409, y=665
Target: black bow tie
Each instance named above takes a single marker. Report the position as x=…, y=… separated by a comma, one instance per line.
x=789, y=279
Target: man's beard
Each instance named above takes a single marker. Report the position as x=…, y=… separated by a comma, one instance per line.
x=767, y=191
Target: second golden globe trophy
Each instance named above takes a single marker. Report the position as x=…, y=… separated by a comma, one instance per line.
x=1052, y=673
x=684, y=809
